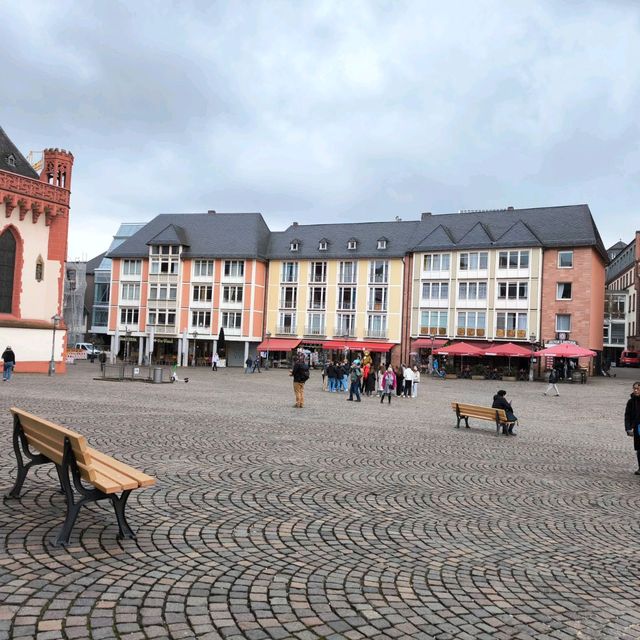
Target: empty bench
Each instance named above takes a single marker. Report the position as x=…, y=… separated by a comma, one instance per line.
x=77, y=465
x=466, y=411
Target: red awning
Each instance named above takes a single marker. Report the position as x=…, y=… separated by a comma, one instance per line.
x=338, y=345
x=278, y=344
x=460, y=349
x=427, y=343
x=380, y=347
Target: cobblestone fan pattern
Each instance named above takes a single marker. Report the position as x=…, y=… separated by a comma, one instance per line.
x=340, y=520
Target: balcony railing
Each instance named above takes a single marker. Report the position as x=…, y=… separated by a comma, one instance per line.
x=433, y=331
x=472, y=333
x=342, y=332
x=287, y=330
x=314, y=331
x=376, y=333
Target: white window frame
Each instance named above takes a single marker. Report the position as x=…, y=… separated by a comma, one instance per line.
x=230, y=293
x=562, y=284
x=131, y=267
x=236, y=316
x=200, y=288
x=130, y=291
x=353, y=269
x=561, y=253
x=202, y=268
x=352, y=244
x=289, y=272
x=233, y=269
x=201, y=319
x=563, y=315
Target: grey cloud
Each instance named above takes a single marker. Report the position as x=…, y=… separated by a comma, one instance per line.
x=329, y=110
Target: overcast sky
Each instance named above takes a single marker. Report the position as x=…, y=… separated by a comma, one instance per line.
x=328, y=111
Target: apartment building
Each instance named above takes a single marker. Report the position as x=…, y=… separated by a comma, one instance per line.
x=337, y=286
x=528, y=275
x=622, y=316
x=523, y=275
x=183, y=278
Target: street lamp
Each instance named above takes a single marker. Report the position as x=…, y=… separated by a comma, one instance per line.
x=532, y=340
x=52, y=364
x=127, y=334
x=195, y=343
x=268, y=334
x=432, y=337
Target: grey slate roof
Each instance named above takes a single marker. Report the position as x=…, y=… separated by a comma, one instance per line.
x=205, y=235
x=566, y=226
x=246, y=235
x=366, y=234
x=95, y=262
x=7, y=150
x=171, y=235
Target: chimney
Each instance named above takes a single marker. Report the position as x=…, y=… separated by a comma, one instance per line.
x=294, y=224
x=424, y=215
x=510, y=208
x=211, y=212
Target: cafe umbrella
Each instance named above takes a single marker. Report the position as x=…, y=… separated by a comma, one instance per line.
x=509, y=350
x=461, y=349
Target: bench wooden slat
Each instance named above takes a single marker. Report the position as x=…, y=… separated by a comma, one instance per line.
x=44, y=447
x=141, y=478
x=107, y=483
x=480, y=412
x=53, y=435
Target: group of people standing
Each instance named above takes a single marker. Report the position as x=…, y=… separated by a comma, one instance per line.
x=362, y=377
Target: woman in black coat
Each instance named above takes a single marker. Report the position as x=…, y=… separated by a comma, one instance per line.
x=632, y=420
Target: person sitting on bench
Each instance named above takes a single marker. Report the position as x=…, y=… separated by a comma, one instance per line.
x=500, y=402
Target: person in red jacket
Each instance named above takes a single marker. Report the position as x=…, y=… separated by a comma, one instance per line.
x=388, y=384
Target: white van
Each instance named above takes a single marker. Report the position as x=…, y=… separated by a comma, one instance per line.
x=88, y=347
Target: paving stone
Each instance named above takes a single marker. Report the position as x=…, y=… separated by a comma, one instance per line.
x=337, y=521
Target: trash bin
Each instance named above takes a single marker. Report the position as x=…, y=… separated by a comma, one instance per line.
x=157, y=375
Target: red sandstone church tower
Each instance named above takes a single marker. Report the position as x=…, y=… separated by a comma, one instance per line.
x=34, y=223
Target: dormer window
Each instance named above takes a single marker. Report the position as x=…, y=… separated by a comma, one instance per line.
x=322, y=246
x=382, y=243
x=294, y=245
x=352, y=244
x=11, y=161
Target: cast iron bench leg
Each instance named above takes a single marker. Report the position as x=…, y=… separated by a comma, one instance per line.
x=119, y=504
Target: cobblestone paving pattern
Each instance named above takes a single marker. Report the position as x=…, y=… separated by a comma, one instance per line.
x=341, y=520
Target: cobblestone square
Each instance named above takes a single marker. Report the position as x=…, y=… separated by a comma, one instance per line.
x=341, y=520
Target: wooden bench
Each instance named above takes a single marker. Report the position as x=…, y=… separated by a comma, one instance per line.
x=75, y=463
x=466, y=411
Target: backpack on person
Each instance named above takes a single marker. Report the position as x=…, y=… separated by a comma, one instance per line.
x=304, y=374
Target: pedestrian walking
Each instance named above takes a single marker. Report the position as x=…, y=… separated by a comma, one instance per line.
x=215, y=359
x=389, y=382
x=355, y=375
x=332, y=376
x=500, y=402
x=325, y=366
x=632, y=420
x=102, y=359
x=416, y=382
x=370, y=383
x=9, y=363
x=300, y=373
x=399, y=380
x=408, y=381
x=553, y=382
x=247, y=364
x=256, y=364
x=344, y=375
